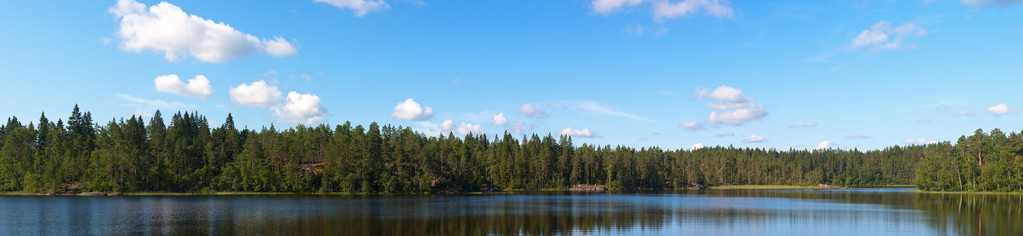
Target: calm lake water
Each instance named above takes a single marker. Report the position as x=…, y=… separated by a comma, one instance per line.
x=882, y=211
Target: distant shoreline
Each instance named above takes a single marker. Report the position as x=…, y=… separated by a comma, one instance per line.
x=752, y=187
x=509, y=191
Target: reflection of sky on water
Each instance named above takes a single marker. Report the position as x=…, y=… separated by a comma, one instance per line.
x=884, y=211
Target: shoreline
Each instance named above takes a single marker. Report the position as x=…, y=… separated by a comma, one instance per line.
x=509, y=191
x=759, y=187
x=966, y=192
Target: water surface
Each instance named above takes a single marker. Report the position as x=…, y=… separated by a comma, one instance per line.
x=881, y=211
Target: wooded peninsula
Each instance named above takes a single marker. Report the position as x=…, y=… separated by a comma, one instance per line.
x=186, y=155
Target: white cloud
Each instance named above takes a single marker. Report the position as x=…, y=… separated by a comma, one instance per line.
x=692, y=126
x=984, y=3
x=1001, y=110
x=411, y=111
x=664, y=9
x=607, y=6
x=738, y=116
x=256, y=94
x=519, y=127
x=462, y=128
x=735, y=109
x=882, y=36
x=533, y=110
x=637, y=30
x=584, y=133
x=196, y=87
x=804, y=125
x=142, y=114
x=300, y=108
x=964, y=113
x=668, y=9
x=447, y=125
x=825, y=145
x=920, y=141
x=696, y=146
x=152, y=103
x=165, y=28
x=499, y=119
x=593, y=107
x=858, y=136
x=724, y=134
x=359, y=7
x=754, y=139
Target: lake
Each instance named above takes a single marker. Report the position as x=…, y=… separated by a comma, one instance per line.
x=866, y=211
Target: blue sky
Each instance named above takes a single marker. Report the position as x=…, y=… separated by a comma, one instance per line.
x=670, y=73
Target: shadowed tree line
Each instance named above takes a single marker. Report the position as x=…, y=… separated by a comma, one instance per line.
x=187, y=155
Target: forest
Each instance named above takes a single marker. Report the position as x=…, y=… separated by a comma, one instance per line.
x=980, y=162
x=186, y=155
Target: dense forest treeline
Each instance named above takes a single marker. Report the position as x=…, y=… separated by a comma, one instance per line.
x=979, y=162
x=187, y=155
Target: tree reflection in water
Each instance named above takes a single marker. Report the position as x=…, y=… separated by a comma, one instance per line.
x=973, y=214
x=715, y=212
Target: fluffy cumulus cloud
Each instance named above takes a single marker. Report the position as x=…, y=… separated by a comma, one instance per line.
x=196, y=87
x=167, y=29
x=804, y=125
x=824, y=145
x=692, y=125
x=462, y=128
x=499, y=119
x=696, y=146
x=730, y=106
x=300, y=108
x=410, y=110
x=533, y=110
x=1001, y=110
x=358, y=7
x=668, y=9
x=883, y=36
x=582, y=133
x=754, y=139
x=256, y=94
x=985, y=3
x=920, y=141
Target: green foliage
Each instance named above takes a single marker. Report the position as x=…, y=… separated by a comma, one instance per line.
x=186, y=155
x=981, y=162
